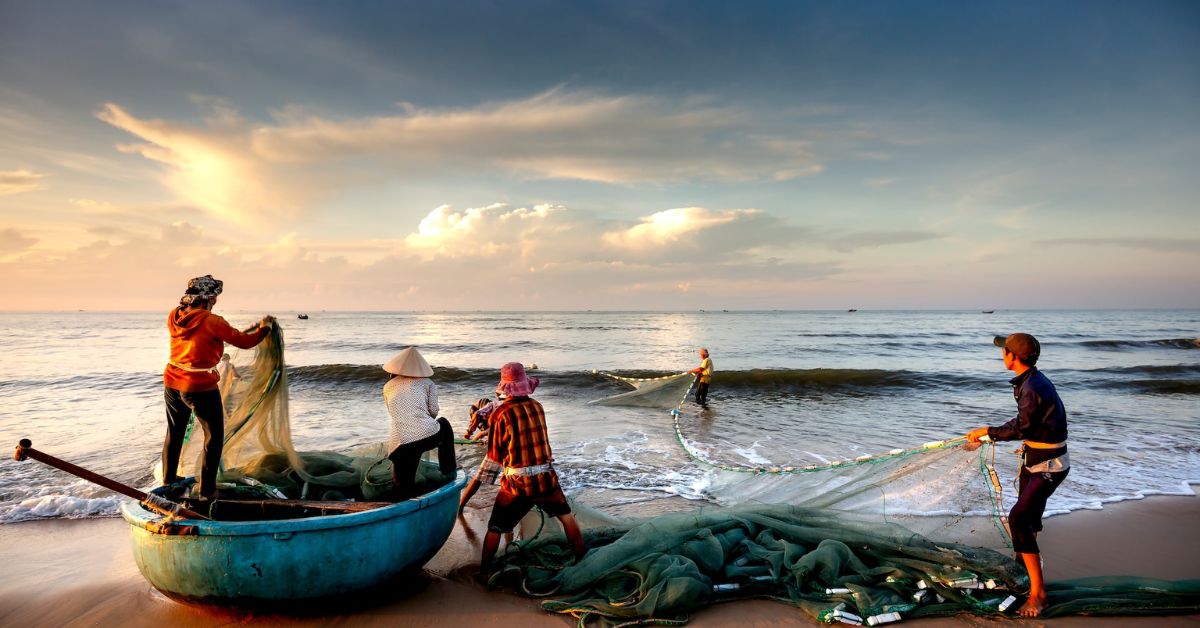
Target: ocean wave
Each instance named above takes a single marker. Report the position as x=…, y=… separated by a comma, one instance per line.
x=1164, y=386
x=1164, y=343
x=1159, y=379
x=764, y=379
x=342, y=345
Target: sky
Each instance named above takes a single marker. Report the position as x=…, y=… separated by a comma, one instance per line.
x=611, y=155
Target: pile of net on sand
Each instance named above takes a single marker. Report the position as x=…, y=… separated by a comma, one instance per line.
x=258, y=456
x=832, y=565
x=909, y=532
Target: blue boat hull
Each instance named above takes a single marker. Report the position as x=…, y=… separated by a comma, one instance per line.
x=254, y=562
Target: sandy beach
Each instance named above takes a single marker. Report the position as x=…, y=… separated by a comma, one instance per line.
x=81, y=573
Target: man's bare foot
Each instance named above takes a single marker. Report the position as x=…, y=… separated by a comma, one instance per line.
x=1033, y=607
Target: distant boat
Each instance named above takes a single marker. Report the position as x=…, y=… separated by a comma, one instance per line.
x=303, y=317
x=851, y=310
x=988, y=312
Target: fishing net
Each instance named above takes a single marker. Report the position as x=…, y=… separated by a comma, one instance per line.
x=832, y=566
x=910, y=532
x=258, y=450
x=655, y=392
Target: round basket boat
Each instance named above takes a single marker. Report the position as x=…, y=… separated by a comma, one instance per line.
x=249, y=563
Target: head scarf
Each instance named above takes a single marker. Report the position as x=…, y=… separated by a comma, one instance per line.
x=201, y=289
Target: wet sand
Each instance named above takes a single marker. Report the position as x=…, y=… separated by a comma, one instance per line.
x=82, y=573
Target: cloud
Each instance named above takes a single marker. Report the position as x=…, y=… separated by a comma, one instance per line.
x=543, y=255
x=12, y=241
x=237, y=168
x=881, y=182
x=491, y=231
x=212, y=167
x=16, y=181
x=670, y=225
x=556, y=135
x=1160, y=245
x=874, y=239
x=696, y=235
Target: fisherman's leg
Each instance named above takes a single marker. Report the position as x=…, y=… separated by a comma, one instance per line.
x=1023, y=524
x=211, y=416
x=446, y=460
x=491, y=543
x=405, y=460
x=1025, y=521
x=1037, y=589
x=507, y=511
x=178, y=414
x=555, y=504
x=574, y=535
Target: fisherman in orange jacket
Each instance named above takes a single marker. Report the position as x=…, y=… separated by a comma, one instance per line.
x=190, y=379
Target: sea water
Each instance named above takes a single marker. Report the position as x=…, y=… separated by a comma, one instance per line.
x=792, y=388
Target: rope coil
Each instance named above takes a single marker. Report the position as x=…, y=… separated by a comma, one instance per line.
x=163, y=506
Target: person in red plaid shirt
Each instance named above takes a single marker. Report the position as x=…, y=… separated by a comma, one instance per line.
x=519, y=443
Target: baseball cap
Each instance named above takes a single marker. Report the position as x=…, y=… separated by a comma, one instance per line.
x=1024, y=346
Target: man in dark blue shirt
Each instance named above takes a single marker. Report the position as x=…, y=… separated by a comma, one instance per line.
x=1041, y=422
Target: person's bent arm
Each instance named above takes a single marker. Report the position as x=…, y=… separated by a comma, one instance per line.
x=431, y=400
x=468, y=493
x=242, y=340
x=1020, y=424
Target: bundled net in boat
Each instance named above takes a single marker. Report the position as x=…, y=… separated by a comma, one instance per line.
x=654, y=392
x=258, y=447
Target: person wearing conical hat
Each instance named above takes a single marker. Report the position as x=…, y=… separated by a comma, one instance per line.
x=519, y=442
x=191, y=378
x=412, y=402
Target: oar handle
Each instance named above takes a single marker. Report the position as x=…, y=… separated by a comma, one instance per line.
x=25, y=450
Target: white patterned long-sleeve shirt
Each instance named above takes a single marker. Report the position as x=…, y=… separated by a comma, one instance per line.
x=412, y=403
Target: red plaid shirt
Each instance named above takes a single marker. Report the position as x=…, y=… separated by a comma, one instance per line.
x=518, y=439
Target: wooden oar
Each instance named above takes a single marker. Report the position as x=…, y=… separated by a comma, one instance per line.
x=25, y=450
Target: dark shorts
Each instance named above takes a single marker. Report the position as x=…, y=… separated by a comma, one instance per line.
x=1025, y=518
x=509, y=508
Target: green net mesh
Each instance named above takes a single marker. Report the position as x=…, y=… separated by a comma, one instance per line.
x=832, y=565
x=909, y=532
x=653, y=392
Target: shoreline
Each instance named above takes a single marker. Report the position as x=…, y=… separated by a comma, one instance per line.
x=81, y=572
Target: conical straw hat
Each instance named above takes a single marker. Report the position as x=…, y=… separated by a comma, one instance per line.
x=409, y=363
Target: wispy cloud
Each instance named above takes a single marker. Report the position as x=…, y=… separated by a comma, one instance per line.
x=13, y=241
x=874, y=239
x=1161, y=245
x=21, y=180
x=881, y=182
x=558, y=134
x=237, y=167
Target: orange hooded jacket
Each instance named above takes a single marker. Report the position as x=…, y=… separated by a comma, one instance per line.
x=198, y=339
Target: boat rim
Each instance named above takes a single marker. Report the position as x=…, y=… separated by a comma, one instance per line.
x=140, y=517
